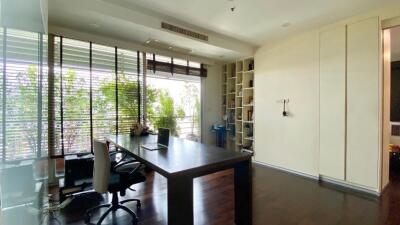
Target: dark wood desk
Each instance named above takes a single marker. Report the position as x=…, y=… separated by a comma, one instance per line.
x=185, y=160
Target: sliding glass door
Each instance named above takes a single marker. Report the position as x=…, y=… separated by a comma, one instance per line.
x=173, y=98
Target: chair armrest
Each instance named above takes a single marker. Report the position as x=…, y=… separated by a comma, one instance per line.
x=124, y=155
x=127, y=162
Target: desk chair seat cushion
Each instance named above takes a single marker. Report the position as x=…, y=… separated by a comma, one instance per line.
x=125, y=175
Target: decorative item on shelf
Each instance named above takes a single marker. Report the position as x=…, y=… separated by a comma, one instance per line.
x=246, y=127
x=251, y=83
x=251, y=65
x=248, y=130
x=232, y=103
x=231, y=117
x=250, y=115
x=248, y=146
x=239, y=117
x=250, y=100
x=240, y=93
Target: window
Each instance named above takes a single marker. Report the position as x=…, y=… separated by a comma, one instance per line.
x=130, y=89
x=23, y=131
x=173, y=97
x=103, y=91
x=98, y=91
x=175, y=66
x=75, y=96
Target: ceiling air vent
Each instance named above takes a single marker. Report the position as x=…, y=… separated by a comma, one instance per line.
x=184, y=31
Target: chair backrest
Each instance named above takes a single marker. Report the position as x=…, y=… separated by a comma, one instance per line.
x=101, y=167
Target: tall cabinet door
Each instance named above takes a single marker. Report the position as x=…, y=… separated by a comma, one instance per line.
x=363, y=103
x=333, y=102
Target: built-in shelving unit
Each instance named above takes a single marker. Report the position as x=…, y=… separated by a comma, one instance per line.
x=238, y=104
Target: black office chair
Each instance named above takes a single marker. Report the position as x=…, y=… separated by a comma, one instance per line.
x=114, y=179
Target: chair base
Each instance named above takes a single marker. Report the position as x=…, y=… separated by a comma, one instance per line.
x=114, y=206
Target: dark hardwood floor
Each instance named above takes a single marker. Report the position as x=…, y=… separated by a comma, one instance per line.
x=279, y=198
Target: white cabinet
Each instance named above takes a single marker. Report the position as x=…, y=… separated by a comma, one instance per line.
x=349, y=103
x=333, y=102
x=363, y=107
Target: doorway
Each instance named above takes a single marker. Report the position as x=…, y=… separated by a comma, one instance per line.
x=392, y=103
x=174, y=102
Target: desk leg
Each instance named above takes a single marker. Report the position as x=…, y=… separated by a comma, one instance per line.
x=243, y=193
x=180, y=201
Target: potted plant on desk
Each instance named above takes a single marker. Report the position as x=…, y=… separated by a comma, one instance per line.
x=138, y=129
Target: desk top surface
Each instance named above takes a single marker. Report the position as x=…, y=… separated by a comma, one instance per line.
x=181, y=157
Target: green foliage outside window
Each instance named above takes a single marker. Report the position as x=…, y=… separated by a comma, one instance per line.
x=164, y=114
x=160, y=107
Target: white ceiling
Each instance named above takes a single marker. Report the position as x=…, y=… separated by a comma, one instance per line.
x=256, y=21
x=232, y=34
x=110, y=20
x=395, y=43
x=32, y=15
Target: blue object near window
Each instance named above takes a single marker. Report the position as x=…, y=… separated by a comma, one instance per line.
x=220, y=133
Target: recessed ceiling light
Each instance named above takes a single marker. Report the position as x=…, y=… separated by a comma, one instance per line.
x=148, y=41
x=156, y=40
x=170, y=47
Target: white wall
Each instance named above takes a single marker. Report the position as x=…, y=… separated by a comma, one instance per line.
x=289, y=70
x=211, y=91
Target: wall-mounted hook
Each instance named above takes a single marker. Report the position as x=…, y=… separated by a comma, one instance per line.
x=284, y=113
x=284, y=101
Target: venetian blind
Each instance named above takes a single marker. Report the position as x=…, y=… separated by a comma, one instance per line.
x=97, y=93
x=23, y=88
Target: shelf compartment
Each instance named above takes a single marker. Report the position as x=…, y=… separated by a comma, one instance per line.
x=248, y=64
